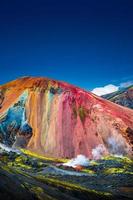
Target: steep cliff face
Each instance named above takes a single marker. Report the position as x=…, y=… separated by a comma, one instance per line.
x=122, y=97
x=59, y=120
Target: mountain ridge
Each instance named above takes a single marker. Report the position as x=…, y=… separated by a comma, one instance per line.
x=57, y=119
x=123, y=97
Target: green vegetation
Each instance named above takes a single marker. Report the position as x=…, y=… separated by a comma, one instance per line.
x=117, y=171
x=81, y=112
x=35, y=155
x=122, y=159
x=43, y=177
x=89, y=171
x=69, y=186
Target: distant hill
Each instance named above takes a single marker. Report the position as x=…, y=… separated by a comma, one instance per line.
x=122, y=97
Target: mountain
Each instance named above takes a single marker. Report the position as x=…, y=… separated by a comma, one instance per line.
x=122, y=97
x=56, y=119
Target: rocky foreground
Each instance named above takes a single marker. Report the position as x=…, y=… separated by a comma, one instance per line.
x=24, y=175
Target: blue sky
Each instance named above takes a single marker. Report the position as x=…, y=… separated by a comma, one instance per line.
x=86, y=43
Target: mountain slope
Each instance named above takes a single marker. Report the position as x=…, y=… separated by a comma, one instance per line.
x=57, y=119
x=122, y=97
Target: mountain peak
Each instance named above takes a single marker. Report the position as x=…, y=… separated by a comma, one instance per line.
x=57, y=119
